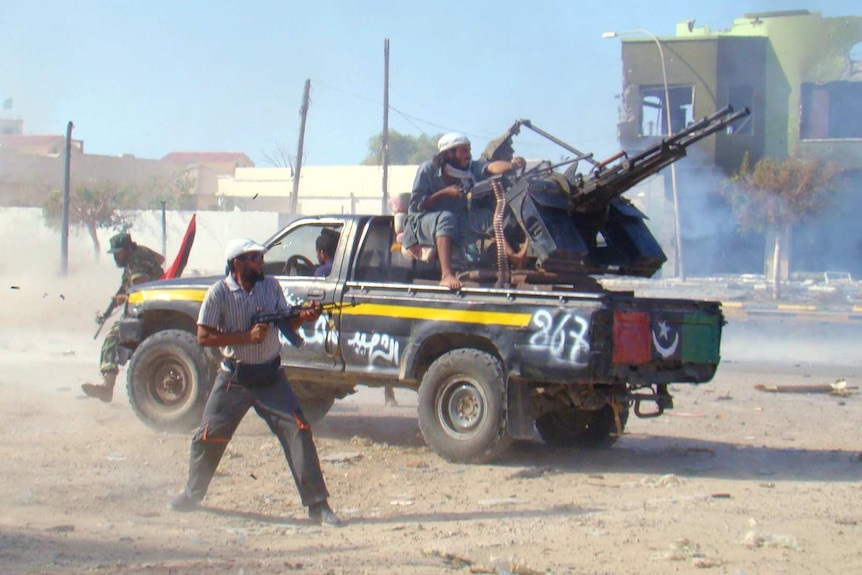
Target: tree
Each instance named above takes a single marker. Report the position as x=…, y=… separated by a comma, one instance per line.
x=776, y=194
x=93, y=205
x=279, y=157
x=404, y=149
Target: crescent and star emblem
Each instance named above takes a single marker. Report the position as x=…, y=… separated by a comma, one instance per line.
x=664, y=334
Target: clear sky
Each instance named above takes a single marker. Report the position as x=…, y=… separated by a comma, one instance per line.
x=150, y=77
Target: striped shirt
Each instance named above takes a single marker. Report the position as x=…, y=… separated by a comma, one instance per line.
x=228, y=308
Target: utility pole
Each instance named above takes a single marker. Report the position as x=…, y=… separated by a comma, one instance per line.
x=384, y=208
x=164, y=230
x=303, y=112
x=64, y=226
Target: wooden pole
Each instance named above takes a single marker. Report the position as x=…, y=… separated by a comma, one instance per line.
x=384, y=207
x=303, y=112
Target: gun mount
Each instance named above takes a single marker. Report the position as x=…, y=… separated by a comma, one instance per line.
x=580, y=223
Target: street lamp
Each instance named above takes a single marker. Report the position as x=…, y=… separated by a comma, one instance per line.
x=677, y=235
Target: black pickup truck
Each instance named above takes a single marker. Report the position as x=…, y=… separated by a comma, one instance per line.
x=488, y=362
x=512, y=352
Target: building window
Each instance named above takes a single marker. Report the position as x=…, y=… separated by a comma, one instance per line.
x=831, y=111
x=741, y=96
x=653, y=114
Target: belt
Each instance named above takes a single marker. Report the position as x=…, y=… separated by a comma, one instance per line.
x=231, y=364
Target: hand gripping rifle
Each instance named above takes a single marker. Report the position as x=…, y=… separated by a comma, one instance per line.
x=101, y=319
x=282, y=318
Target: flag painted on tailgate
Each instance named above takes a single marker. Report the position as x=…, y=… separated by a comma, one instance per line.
x=632, y=337
x=641, y=337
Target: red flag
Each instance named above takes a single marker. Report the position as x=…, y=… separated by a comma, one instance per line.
x=179, y=264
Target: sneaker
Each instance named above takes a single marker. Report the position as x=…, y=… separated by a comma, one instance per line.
x=321, y=513
x=102, y=392
x=182, y=502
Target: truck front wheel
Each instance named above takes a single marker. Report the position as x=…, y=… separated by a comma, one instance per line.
x=574, y=427
x=168, y=381
x=462, y=407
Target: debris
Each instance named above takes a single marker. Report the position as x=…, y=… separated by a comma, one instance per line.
x=115, y=457
x=513, y=566
x=15, y=287
x=253, y=476
x=498, y=502
x=531, y=472
x=682, y=549
x=720, y=495
x=757, y=539
x=669, y=480
x=450, y=558
x=840, y=387
x=403, y=502
x=341, y=457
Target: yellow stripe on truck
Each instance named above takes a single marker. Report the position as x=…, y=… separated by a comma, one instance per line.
x=168, y=295
x=366, y=309
x=440, y=314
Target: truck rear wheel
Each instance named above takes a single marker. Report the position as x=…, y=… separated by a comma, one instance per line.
x=462, y=407
x=576, y=427
x=168, y=381
x=315, y=403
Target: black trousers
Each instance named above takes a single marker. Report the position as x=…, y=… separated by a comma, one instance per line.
x=278, y=406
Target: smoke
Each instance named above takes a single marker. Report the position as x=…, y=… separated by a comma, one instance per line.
x=35, y=296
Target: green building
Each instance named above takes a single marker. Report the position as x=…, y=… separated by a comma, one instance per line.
x=801, y=76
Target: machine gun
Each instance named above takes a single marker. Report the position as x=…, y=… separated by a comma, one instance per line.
x=282, y=318
x=564, y=215
x=609, y=180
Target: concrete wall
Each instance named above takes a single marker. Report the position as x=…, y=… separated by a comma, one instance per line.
x=38, y=247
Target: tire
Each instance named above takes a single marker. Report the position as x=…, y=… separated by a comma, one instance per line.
x=316, y=401
x=168, y=381
x=462, y=407
x=575, y=427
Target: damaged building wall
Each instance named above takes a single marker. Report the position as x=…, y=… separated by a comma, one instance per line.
x=801, y=76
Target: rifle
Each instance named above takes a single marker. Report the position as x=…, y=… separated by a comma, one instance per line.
x=101, y=319
x=281, y=318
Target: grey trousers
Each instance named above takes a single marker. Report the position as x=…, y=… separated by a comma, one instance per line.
x=279, y=407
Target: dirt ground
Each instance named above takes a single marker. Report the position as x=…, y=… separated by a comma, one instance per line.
x=734, y=481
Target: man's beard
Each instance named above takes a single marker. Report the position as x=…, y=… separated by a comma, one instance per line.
x=452, y=160
x=252, y=276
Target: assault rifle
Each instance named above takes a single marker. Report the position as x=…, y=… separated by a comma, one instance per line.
x=282, y=318
x=101, y=319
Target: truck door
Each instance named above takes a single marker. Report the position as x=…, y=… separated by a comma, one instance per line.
x=293, y=259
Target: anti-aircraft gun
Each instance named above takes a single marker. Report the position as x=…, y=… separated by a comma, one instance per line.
x=564, y=215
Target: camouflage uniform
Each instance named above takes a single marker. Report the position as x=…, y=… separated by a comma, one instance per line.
x=142, y=264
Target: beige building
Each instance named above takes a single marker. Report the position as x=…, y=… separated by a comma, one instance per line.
x=322, y=189
x=33, y=166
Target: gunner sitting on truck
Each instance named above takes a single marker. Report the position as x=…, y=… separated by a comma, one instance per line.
x=438, y=215
x=501, y=149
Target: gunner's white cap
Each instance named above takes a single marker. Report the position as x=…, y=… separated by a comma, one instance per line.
x=451, y=140
x=239, y=246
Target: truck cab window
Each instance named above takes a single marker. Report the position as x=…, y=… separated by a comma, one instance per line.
x=295, y=253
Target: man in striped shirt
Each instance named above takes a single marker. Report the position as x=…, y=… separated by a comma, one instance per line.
x=250, y=375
